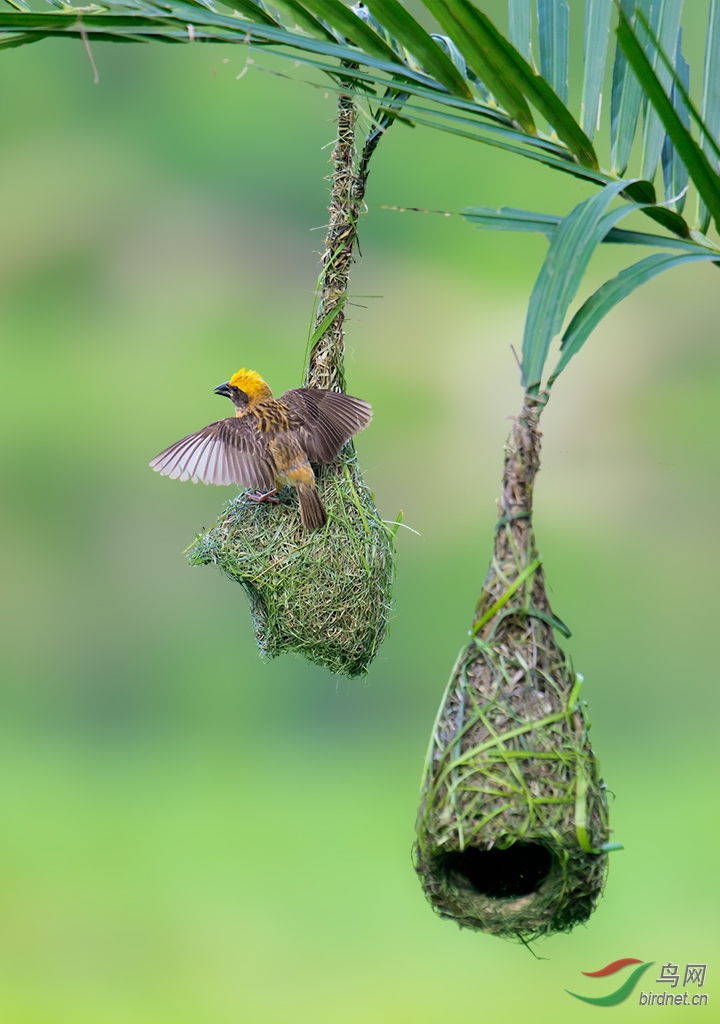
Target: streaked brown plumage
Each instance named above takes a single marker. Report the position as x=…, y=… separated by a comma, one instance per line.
x=269, y=442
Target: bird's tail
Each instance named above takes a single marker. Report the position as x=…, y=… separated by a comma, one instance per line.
x=312, y=510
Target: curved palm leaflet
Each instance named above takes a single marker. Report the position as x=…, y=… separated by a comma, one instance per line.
x=506, y=90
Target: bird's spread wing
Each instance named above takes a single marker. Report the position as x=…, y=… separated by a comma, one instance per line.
x=231, y=451
x=329, y=419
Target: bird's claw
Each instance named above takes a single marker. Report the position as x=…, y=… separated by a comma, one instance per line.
x=268, y=496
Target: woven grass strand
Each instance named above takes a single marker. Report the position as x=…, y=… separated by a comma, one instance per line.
x=324, y=595
x=513, y=816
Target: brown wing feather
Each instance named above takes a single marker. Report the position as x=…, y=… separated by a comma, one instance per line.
x=231, y=451
x=329, y=419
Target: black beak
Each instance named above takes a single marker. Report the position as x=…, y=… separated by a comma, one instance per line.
x=224, y=390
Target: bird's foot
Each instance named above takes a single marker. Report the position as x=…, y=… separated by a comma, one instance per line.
x=268, y=496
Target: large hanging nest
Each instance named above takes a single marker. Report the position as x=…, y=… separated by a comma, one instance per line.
x=513, y=826
x=326, y=594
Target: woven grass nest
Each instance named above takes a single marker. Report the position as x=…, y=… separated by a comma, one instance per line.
x=324, y=595
x=513, y=820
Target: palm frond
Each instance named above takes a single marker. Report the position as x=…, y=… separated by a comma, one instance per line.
x=666, y=15
x=467, y=79
x=573, y=242
x=421, y=45
x=520, y=16
x=626, y=98
x=554, y=44
x=509, y=219
x=597, y=34
x=571, y=249
x=675, y=173
x=705, y=179
x=480, y=48
x=609, y=294
x=710, y=108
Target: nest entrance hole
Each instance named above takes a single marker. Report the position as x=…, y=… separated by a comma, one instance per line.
x=498, y=874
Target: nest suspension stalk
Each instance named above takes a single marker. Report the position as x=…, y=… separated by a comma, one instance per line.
x=323, y=595
x=325, y=367
x=512, y=829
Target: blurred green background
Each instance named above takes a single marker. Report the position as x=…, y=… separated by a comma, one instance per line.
x=188, y=834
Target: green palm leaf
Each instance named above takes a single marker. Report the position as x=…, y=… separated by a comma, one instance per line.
x=506, y=63
x=704, y=178
x=554, y=44
x=457, y=18
x=710, y=108
x=597, y=33
x=675, y=174
x=608, y=295
x=471, y=82
x=301, y=18
x=520, y=14
x=626, y=98
x=353, y=28
x=667, y=13
x=419, y=42
x=571, y=249
x=509, y=219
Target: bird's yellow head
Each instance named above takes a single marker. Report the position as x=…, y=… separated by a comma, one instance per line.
x=251, y=383
x=244, y=388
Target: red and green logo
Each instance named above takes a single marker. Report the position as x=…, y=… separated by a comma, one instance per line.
x=613, y=998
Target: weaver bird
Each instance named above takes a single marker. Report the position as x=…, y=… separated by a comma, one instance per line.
x=269, y=442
